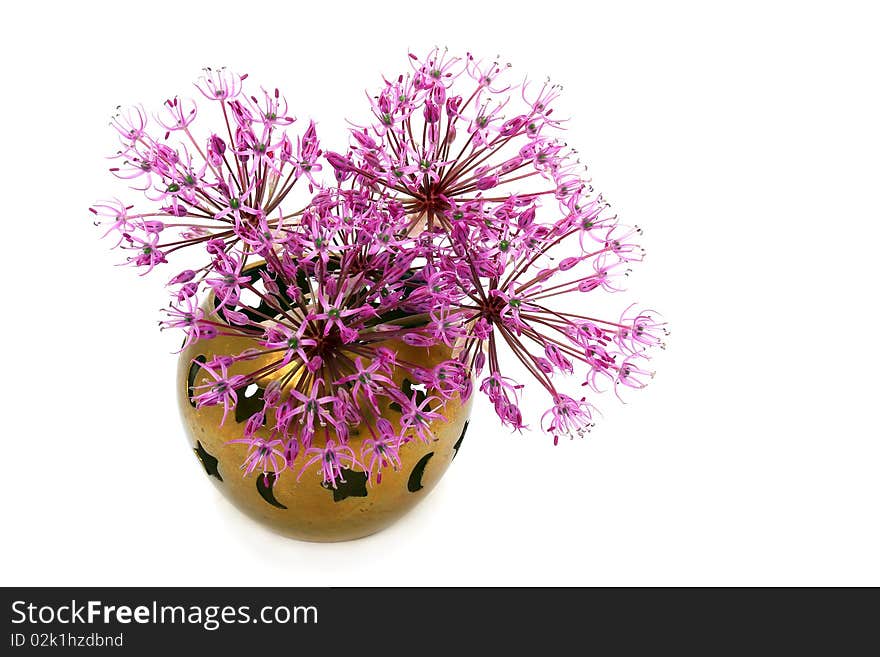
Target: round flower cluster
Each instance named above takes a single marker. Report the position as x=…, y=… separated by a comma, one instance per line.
x=456, y=216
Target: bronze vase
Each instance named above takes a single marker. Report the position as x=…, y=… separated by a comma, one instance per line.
x=304, y=507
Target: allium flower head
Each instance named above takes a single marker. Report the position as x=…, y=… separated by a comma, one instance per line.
x=213, y=177
x=459, y=222
x=478, y=163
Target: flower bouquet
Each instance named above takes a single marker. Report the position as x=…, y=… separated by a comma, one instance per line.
x=341, y=309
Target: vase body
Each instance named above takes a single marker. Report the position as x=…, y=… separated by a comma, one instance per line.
x=298, y=504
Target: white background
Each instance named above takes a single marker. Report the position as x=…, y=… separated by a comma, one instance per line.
x=743, y=139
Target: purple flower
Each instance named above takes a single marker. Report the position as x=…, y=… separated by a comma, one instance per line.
x=314, y=408
x=490, y=179
x=228, y=183
x=568, y=417
x=460, y=220
x=264, y=456
x=219, y=84
x=334, y=311
x=114, y=215
x=640, y=331
x=188, y=317
x=417, y=417
x=332, y=459
x=369, y=382
x=631, y=376
x=177, y=114
x=227, y=281
x=130, y=123
x=222, y=390
x=381, y=451
x=273, y=109
x=147, y=252
x=291, y=342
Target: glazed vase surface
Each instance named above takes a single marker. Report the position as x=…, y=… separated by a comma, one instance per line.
x=298, y=504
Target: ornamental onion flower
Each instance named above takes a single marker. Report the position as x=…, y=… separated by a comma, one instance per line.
x=216, y=186
x=458, y=219
x=478, y=164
